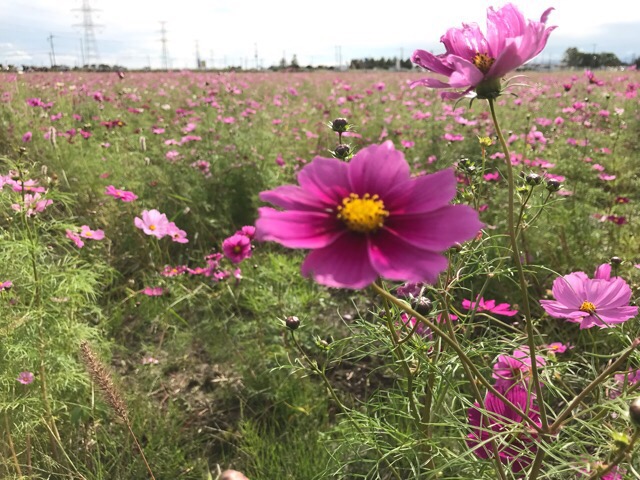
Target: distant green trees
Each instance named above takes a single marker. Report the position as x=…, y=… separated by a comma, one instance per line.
x=575, y=58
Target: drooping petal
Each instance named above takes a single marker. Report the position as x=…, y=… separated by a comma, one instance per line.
x=297, y=229
x=431, y=62
x=395, y=259
x=343, y=264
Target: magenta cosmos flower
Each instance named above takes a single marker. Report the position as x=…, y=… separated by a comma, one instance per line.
x=473, y=61
x=237, y=247
x=482, y=305
x=590, y=302
x=368, y=218
x=515, y=440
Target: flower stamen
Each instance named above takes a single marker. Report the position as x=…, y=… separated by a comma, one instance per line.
x=362, y=215
x=483, y=61
x=587, y=307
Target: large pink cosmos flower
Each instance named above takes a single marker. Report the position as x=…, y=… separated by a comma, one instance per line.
x=475, y=62
x=515, y=443
x=590, y=302
x=367, y=219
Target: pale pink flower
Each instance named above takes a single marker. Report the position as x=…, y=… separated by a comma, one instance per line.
x=86, y=232
x=75, y=238
x=25, y=378
x=177, y=235
x=118, y=194
x=153, y=223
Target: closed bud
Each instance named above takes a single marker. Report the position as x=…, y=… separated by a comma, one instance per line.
x=553, y=185
x=615, y=261
x=342, y=151
x=422, y=305
x=292, y=322
x=340, y=125
x=634, y=412
x=533, y=179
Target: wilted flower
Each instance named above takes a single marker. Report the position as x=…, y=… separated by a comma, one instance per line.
x=367, y=219
x=473, y=61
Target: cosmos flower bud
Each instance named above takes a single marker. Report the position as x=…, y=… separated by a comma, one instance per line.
x=553, y=185
x=422, y=305
x=533, y=179
x=342, y=151
x=615, y=261
x=634, y=412
x=292, y=322
x=340, y=125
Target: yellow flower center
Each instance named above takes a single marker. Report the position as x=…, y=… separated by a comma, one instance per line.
x=237, y=249
x=363, y=215
x=152, y=227
x=483, y=62
x=588, y=307
x=88, y=233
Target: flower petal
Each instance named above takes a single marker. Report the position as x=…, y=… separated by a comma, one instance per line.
x=297, y=229
x=326, y=179
x=343, y=264
x=395, y=259
x=377, y=169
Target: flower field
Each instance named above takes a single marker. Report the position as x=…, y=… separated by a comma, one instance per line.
x=155, y=321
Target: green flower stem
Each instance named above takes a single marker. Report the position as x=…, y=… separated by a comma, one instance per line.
x=523, y=282
x=399, y=354
x=476, y=391
x=589, y=388
x=537, y=463
x=522, y=207
x=535, y=217
x=623, y=452
x=334, y=396
x=463, y=356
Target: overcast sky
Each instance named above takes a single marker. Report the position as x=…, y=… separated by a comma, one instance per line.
x=231, y=32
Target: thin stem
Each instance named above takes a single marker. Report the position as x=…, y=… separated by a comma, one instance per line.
x=589, y=388
x=522, y=207
x=463, y=356
x=523, y=282
x=139, y=447
x=398, y=352
x=537, y=463
x=11, y=447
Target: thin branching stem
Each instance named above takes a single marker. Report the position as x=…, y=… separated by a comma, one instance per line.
x=516, y=258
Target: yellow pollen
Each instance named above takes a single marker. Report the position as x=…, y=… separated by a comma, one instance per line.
x=152, y=227
x=363, y=215
x=588, y=307
x=483, y=62
x=88, y=233
x=237, y=249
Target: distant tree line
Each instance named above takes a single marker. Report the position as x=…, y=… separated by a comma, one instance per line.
x=381, y=63
x=577, y=59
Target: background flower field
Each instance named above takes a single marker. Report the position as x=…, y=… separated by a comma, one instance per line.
x=192, y=325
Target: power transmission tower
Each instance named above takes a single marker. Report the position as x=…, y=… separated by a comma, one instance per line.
x=90, y=46
x=163, y=39
x=53, y=52
x=255, y=55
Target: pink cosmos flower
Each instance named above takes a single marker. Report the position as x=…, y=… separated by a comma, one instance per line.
x=71, y=235
x=590, y=302
x=514, y=440
x=153, y=223
x=367, y=219
x=473, y=61
x=177, y=235
x=557, y=347
x=118, y=194
x=510, y=370
x=86, y=232
x=247, y=231
x=32, y=204
x=25, y=378
x=237, y=247
x=489, y=306
x=153, y=291
x=27, y=137
x=6, y=285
